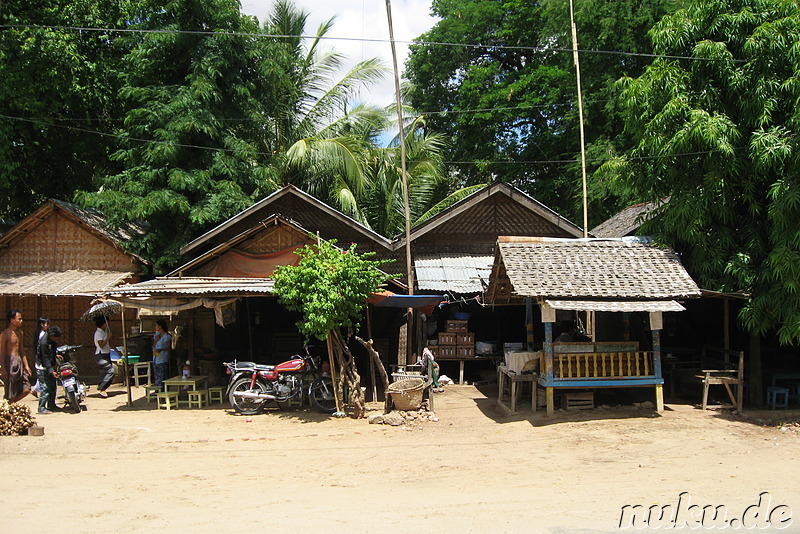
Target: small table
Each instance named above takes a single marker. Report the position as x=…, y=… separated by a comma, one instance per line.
x=513, y=379
x=461, y=364
x=176, y=383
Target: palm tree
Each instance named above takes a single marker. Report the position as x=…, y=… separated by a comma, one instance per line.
x=322, y=142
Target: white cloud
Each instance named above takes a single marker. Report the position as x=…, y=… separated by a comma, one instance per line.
x=362, y=19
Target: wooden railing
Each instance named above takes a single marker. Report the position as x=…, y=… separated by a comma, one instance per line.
x=625, y=364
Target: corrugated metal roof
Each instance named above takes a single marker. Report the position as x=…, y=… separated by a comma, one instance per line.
x=455, y=273
x=197, y=287
x=617, y=305
x=60, y=283
x=593, y=269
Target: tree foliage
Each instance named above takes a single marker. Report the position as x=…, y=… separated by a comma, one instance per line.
x=504, y=89
x=719, y=134
x=329, y=286
x=59, y=98
x=194, y=149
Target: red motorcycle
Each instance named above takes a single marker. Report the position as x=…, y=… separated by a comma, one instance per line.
x=252, y=386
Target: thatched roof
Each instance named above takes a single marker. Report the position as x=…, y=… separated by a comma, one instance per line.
x=581, y=269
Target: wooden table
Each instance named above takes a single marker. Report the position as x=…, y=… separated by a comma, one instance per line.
x=461, y=363
x=176, y=383
x=513, y=379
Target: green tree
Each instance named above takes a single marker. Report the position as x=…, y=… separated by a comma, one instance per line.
x=195, y=149
x=504, y=89
x=322, y=139
x=330, y=287
x=59, y=103
x=720, y=135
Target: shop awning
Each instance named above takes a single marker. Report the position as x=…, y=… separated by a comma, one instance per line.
x=616, y=305
x=426, y=303
x=60, y=283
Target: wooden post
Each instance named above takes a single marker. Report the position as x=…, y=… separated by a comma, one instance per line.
x=332, y=363
x=548, y=366
x=529, y=322
x=657, y=370
x=371, y=360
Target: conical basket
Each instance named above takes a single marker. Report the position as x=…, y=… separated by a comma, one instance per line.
x=407, y=393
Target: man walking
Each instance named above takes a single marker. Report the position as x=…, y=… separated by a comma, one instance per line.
x=46, y=365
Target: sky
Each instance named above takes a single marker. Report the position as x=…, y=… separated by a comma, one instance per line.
x=362, y=19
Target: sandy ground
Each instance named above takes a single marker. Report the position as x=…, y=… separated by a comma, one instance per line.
x=115, y=468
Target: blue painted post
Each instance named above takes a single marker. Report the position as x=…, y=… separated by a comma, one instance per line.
x=657, y=369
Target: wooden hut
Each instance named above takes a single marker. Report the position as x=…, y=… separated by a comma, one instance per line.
x=55, y=261
x=608, y=277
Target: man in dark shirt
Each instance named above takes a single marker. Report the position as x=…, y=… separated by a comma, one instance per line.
x=46, y=368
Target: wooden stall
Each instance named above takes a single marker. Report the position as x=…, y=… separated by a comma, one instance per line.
x=618, y=276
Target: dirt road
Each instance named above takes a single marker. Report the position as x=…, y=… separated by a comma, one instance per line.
x=119, y=469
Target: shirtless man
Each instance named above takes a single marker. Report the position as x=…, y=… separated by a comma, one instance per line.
x=15, y=369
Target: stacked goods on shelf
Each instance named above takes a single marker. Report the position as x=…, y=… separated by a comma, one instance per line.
x=455, y=341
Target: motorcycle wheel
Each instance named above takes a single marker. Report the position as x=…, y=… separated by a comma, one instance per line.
x=72, y=399
x=244, y=405
x=321, y=393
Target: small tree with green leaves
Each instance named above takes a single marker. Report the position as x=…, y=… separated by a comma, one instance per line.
x=330, y=287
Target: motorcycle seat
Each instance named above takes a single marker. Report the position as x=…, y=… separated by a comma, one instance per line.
x=254, y=366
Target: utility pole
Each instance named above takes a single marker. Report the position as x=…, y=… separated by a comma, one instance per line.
x=402, y=358
x=580, y=117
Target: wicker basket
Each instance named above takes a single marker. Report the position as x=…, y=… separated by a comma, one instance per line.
x=407, y=393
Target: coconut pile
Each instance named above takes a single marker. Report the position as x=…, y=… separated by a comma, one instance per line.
x=14, y=419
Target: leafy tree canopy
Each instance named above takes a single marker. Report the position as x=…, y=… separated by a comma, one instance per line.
x=59, y=98
x=329, y=286
x=719, y=134
x=504, y=90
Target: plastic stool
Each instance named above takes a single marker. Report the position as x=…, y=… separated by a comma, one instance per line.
x=137, y=376
x=198, y=397
x=777, y=397
x=150, y=392
x=216, y=393
x=167, y=399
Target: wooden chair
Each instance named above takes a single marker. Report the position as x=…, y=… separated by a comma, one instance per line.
x=728, y=375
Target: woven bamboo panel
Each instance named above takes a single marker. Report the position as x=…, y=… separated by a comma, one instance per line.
x=273, y=239
x=60, y=244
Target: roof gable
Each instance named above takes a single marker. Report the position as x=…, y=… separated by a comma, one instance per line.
x=474, y=223
x=60, y=236
x=295, y=205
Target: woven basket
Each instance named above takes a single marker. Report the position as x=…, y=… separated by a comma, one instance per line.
x=407, y=393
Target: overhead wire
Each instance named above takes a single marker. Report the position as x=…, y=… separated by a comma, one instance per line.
x=362, y=40
x=365, y=40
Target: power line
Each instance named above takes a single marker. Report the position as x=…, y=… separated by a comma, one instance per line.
x=366, y=40
x=518, y=162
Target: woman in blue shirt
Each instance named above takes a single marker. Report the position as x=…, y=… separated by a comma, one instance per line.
x=162, y=344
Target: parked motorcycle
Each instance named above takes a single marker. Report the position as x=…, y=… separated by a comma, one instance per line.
x=252, y=386
x=74, y=389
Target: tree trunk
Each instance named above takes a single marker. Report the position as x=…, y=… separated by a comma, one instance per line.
x=752, y=368
x=349, y=378
x=381, y=369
